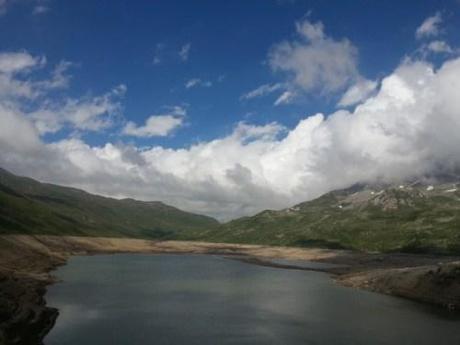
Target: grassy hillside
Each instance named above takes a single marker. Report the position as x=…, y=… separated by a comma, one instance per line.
x=411, y=218
x=31, y=207
x=416, y=218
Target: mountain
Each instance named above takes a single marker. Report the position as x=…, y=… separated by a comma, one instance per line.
x=30, y=207
x=417, y=217
x=411, y=217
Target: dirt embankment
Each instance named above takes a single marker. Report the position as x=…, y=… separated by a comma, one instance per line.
x=26, y=263
x=435, y=284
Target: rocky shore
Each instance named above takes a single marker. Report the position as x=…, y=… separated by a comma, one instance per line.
x=27, y=262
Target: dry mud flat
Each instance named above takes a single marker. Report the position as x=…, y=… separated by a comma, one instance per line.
x=26, y=263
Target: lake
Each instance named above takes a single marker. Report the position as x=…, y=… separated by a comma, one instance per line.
x=203, y=299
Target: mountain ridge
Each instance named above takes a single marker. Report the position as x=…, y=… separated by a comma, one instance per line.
x=414, y=217
x=32, y=207
x=418, y=216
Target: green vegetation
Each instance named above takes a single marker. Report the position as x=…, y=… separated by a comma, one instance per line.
x=31, y=207
x=413, y=219
x=416, y=218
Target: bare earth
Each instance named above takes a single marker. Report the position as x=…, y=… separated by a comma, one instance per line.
x=26, y=263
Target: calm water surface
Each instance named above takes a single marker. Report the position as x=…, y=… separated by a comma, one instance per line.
x=187, y=299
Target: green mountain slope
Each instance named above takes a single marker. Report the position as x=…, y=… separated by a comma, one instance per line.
x=31, y=207
x=413, y=218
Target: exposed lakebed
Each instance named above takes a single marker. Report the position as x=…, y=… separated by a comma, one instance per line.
x=204, y=299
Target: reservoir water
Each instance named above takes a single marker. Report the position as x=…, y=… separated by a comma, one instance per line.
x=192, y=299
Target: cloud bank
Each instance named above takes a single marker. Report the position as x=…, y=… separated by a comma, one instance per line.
x=408, y=127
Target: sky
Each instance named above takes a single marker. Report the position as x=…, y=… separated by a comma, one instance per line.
x=227, y=108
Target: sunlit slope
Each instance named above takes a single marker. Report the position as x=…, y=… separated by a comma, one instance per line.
x=413, y=218
x=31, y=207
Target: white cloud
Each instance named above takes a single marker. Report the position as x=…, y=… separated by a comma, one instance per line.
x=439, y=47
x=14, y=88
x=184, y=51
x=91, y=114
x=358, y=92
x=19, y=87
x=59, y=78
x=157, y=125
x=15, y=68
x=408, y=128
x=197, y=82
x=429, y=27
x=285, y=98
x=311, y=31
x=315, y=62
x=16, y=131
x=14, y=62
x=262, y=90
x=176, y=110
x=192, y=82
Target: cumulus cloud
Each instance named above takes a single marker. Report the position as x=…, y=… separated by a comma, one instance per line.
x=14, y=62
x=19, y=89
x=194, y=82
x=88, y=114
x=185, y=51
x=358, y=92
x=429, y=27
x=407, y=128
x=315, y=61
x=157, y=125
x=15, y=68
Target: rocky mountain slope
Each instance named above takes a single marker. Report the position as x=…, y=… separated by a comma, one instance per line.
x=415, y=217
x=30, y=207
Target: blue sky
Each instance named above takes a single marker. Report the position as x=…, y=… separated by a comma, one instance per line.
x=116, y=42
x=167, y=85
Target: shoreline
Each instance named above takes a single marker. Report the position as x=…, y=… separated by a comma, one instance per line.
x=27, y=263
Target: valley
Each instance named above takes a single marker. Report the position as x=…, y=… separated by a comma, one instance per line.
x=27, y=263
x=400, y=240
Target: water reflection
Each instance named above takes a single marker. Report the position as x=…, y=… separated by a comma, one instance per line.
x=175, y=299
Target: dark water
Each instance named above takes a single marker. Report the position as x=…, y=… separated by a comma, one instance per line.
x=186, y=299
